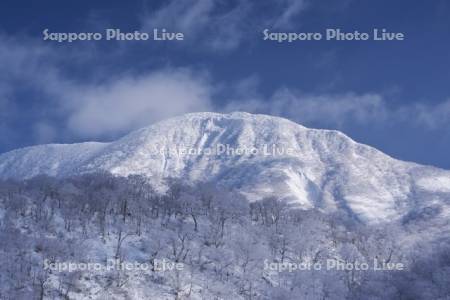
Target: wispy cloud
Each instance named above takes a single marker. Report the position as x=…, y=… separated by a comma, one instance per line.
x=211, y=24
x=220, y=25
x=115, y=104
x=187, y=16
x=112, y=104
x=431, y=116
x=290, y=9
x=343, y=109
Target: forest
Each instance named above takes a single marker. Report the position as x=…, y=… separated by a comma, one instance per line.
x=227, y=245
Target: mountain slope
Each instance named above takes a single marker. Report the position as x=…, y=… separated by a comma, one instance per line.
x=312, y=168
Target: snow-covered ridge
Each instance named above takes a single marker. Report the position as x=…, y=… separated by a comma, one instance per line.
x=323, y=168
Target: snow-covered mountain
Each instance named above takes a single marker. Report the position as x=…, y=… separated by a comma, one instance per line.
x=259, y=156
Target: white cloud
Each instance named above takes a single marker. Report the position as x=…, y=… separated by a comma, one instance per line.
x=186, y=16
x=431, y=116
x=211, y=24
x=325, y=109
x=94, y=108
x=219, y=25
x=290, y=10
x=332, y=109
x=123, y=102
x=130, y=102
x=345, y=109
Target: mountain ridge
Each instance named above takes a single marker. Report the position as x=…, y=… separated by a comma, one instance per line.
x=325, y=170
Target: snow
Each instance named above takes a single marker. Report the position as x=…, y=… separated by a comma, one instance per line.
x=435, y=184
x=323, y=168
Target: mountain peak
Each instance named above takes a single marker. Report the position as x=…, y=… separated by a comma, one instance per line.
x=257, y=155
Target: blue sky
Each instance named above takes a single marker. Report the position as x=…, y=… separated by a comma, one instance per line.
x=392, y=95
